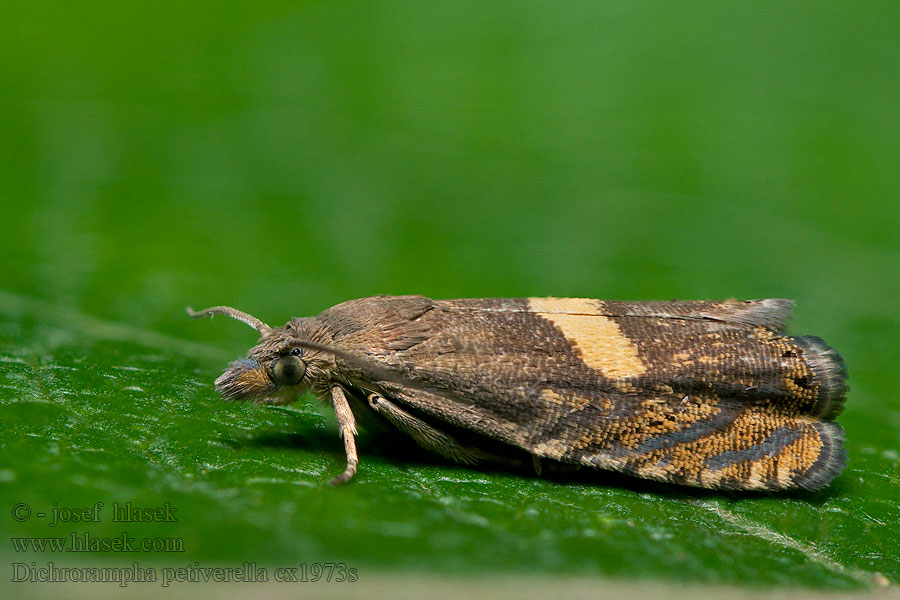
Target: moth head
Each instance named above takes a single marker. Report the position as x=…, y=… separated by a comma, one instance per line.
x=290, y=360
x=276, y=371
x=266, y=377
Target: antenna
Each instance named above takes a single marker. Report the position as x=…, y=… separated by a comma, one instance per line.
x=233, y=313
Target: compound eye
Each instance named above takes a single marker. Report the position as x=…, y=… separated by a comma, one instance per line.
x=288, y=370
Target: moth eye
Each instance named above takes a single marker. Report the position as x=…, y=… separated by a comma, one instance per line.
x=288, y=370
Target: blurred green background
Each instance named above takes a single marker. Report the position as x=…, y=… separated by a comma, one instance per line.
x=282, y=157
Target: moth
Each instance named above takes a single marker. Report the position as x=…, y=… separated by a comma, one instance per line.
x=696, y=393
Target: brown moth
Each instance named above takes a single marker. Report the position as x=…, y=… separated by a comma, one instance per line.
x=705, y=394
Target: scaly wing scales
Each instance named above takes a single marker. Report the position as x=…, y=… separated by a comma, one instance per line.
x=700, y=393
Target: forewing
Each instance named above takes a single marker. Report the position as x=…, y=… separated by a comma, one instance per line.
x=702, y=393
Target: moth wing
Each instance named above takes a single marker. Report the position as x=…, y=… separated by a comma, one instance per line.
x=708, y=442
x=699, y=393
x=486, y=347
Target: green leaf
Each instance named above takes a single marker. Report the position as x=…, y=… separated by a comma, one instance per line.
x=282, y=157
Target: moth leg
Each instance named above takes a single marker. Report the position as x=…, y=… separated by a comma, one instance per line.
x=425, y=435
x=347, y=427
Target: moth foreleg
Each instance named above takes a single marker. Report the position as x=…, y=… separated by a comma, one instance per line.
x=425, y=435
x=347, y=428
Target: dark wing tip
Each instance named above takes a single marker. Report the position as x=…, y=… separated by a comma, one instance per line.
x=832, y=458
x=829, y=374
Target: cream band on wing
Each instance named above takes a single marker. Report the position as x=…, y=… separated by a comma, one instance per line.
x=601, y=343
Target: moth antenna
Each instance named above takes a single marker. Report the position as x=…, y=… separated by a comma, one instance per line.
x=233, y=313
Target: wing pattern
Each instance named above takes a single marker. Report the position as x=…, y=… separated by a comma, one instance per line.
x=698, y=393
